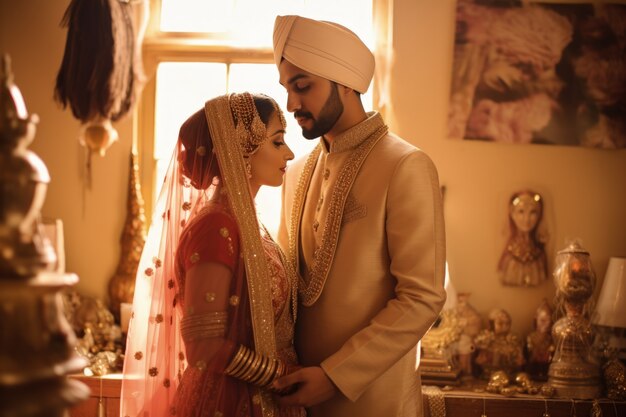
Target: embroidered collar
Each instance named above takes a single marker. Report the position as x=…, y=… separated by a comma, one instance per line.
x=353, y=137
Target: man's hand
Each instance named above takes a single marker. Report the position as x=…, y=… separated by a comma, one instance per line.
x=313, y=387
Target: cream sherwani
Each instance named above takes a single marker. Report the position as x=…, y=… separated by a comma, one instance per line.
x=363, y=221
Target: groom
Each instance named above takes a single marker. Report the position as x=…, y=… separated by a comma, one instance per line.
x=362, y=220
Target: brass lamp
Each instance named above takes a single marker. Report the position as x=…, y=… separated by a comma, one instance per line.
x=574, y=372
x=36, y=342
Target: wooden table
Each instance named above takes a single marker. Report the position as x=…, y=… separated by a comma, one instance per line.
x=105, y=389
x=459, y=402
x=463, y=401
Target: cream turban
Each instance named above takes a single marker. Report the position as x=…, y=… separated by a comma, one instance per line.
x=325, y=49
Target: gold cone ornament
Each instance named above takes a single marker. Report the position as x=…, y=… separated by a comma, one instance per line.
x=122, y=284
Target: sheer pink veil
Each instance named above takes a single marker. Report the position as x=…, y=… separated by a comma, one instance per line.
x=209, y=144
x=151, y=365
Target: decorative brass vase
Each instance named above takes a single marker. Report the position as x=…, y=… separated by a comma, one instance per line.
x=24, y=178
x=36, y=341
x=574, y=372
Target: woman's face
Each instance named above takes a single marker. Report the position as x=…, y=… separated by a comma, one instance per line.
x=269, y=162
x=525, y=211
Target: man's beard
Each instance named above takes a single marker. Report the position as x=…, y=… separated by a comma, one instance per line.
x=330, y=113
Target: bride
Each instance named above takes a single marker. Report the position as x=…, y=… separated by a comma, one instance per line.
x=214, y=304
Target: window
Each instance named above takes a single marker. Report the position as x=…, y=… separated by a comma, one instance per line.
x=197, y=49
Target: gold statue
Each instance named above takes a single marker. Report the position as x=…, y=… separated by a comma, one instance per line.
x=498, y=348
x=471, y=324
x=438, y=365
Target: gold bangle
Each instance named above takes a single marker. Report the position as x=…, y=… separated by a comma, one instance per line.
x=213, y=317
x=240, y=365
x=281, y=370
x=254, y=379
x=204, y=325
x=253, y=367
x=208, y=332
x=262, y=378
x=235, y=360
x=269, y=372
x=245, y=366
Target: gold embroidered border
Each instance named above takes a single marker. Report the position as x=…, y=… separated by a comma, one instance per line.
x=230, y=159
x=290, y=271
x=323, y=256
x=298, y=206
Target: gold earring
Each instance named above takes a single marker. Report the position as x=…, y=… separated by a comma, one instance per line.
x=248, y=168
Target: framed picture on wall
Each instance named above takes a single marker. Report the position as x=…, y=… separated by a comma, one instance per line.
x=539, y=72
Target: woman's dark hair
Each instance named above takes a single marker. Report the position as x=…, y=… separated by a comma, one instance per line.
x=265, y=105
x=197, y=160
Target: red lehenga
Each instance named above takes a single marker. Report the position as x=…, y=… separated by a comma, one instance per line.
x=208, y=220
x=212, y=236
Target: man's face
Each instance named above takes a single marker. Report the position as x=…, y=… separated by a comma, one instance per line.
x=313, y=100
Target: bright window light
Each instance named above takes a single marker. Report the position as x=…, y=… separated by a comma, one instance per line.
x=251, y=22
x=183, y=87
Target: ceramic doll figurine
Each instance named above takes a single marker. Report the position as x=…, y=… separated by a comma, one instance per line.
x=539, y=347
x=523, y=260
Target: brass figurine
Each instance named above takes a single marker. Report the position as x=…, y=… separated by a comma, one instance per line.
x=498, y=348
x=540, y=347
x=438, y=365
x=471, y=324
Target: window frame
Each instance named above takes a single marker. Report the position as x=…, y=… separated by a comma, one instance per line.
x=158, y=47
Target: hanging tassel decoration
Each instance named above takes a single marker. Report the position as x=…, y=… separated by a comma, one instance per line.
x=96, y=78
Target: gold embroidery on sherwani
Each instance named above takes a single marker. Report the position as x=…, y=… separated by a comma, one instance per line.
x=353, y=210
x=323, y=256
x=298, y=205
x=230, y=160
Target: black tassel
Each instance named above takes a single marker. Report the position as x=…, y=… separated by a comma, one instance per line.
x=96, y=75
